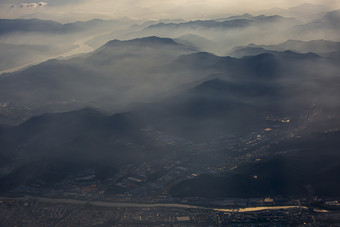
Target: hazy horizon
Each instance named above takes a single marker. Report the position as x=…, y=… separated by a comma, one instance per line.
x=67, y=11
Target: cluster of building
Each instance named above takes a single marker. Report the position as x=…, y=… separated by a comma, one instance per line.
x=38, y=212
x=151, y=181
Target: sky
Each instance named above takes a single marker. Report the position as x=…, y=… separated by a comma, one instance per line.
x=146, y=9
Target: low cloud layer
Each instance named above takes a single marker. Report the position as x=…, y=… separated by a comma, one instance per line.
x=32, y=5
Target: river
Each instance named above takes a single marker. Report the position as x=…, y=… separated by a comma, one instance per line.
x=81, y=49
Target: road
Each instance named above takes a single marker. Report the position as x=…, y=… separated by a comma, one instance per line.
x=147, y=205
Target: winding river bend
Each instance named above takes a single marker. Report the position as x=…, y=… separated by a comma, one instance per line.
x=81, y=48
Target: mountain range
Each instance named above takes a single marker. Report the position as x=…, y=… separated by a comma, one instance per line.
x=107, y=108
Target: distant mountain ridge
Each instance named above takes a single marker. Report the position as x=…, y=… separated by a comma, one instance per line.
x=233, y=22
x=320, y=47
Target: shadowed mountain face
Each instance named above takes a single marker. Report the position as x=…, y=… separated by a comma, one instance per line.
x=212, y=109
x=320, y=47
x=305, y=166
x=200, y=43
x=265, y=66
x=53, y=146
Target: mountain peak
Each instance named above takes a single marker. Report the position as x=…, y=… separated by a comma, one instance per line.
x=216, y=84
x=151, y=40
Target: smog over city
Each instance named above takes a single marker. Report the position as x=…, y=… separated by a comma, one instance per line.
x=169, y=113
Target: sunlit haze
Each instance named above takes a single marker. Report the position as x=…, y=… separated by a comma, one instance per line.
x=145, y=9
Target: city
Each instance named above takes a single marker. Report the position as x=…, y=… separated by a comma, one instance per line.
x=141, y=195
